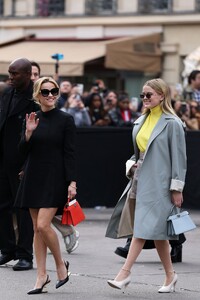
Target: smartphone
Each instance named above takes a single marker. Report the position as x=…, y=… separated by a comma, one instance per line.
x=183, y=108
x=78, y=97
x=80, y=88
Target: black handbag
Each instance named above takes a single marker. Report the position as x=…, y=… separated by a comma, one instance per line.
x=179, y=222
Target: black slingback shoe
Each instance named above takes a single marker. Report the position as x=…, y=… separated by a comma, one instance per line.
x=39, y=290
x=62, y=282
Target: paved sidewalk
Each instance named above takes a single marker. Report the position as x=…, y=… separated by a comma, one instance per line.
x=94, y=262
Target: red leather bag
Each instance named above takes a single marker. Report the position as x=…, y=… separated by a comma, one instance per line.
x=72, y=213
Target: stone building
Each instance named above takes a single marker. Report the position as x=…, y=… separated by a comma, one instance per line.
x=124, y=42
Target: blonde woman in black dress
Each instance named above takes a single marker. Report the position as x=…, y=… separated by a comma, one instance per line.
x=48, y=142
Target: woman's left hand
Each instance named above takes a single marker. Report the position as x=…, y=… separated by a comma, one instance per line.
x=177, y=198
x=71, y=191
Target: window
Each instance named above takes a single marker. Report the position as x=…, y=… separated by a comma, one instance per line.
x=1, y=7
x=101, y=7
x=198, y=5
x=154, y=6
x=45, y=8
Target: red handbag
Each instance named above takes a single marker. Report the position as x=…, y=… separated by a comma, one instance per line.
x=72, y=213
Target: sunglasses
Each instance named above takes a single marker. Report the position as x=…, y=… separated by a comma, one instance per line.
x=46, y=92
x=147, y=95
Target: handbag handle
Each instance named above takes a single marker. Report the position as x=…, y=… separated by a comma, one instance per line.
x=177, y=210
x=67, y=203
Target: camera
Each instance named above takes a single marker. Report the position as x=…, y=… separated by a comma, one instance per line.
x=57, y=56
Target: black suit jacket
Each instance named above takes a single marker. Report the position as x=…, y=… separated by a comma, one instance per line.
x=11, y=126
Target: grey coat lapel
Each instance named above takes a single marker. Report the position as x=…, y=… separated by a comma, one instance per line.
x=156, y=131
x=162, y=122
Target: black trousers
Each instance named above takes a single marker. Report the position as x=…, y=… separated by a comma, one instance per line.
x=23, y=247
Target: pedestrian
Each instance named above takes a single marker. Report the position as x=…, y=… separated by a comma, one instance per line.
x=35, y=73
x=192, y=91
x=69, y=234
x=159, y=175
x=65, y=92
x=15, y=102
x=48, y=141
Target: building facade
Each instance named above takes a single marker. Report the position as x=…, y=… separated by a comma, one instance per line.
x=91, y=33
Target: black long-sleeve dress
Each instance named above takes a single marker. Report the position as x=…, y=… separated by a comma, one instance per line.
x=50, y=163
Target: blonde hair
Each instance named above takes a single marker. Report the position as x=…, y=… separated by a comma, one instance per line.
x=161, y=88
x=37, y=86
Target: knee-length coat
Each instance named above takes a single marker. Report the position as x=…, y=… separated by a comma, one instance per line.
x=163, y=170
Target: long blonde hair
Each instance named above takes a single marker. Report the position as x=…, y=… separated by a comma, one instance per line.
x=161, y=88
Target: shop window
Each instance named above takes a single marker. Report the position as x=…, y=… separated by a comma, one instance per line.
x=101, y=7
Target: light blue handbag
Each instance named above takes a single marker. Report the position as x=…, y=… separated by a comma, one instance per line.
x=179, y=222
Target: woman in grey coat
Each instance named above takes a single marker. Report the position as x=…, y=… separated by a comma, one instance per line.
x=159, y=176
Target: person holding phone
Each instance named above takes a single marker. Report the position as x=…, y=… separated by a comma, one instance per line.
x=76, y=108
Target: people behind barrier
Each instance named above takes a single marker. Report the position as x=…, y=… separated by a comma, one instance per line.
x=121, y=115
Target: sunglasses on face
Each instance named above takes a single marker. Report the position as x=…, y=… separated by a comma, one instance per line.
x=147, y=95
x=46, y=92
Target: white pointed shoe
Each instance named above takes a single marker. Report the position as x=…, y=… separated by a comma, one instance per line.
x=120, y=284
x=171, y=287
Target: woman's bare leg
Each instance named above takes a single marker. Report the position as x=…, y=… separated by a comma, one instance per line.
x=163, y=250
x=40, y=251
x=50, y=238
x=136, y=247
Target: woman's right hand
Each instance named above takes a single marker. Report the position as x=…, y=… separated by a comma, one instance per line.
x=31, y=121
x=31, y=124
x=177, y=198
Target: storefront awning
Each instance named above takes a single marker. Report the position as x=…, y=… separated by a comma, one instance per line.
x=130, y=53
x=135, y=53
x=76, y=54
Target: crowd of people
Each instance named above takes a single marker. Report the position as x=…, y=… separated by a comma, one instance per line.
x=186, y=103
x=38, y=164
x=101, y=106
x=97, y=107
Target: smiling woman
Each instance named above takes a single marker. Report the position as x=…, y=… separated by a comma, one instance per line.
x=46, y=92
x=48, y=142
x=157, y=174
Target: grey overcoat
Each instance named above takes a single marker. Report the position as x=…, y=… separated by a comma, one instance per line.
x=163, y=170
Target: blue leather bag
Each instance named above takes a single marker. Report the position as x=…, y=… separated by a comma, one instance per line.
x=179, y=222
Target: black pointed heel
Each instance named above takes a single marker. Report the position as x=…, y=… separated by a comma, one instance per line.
x=62, y=282
x=39, y=290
